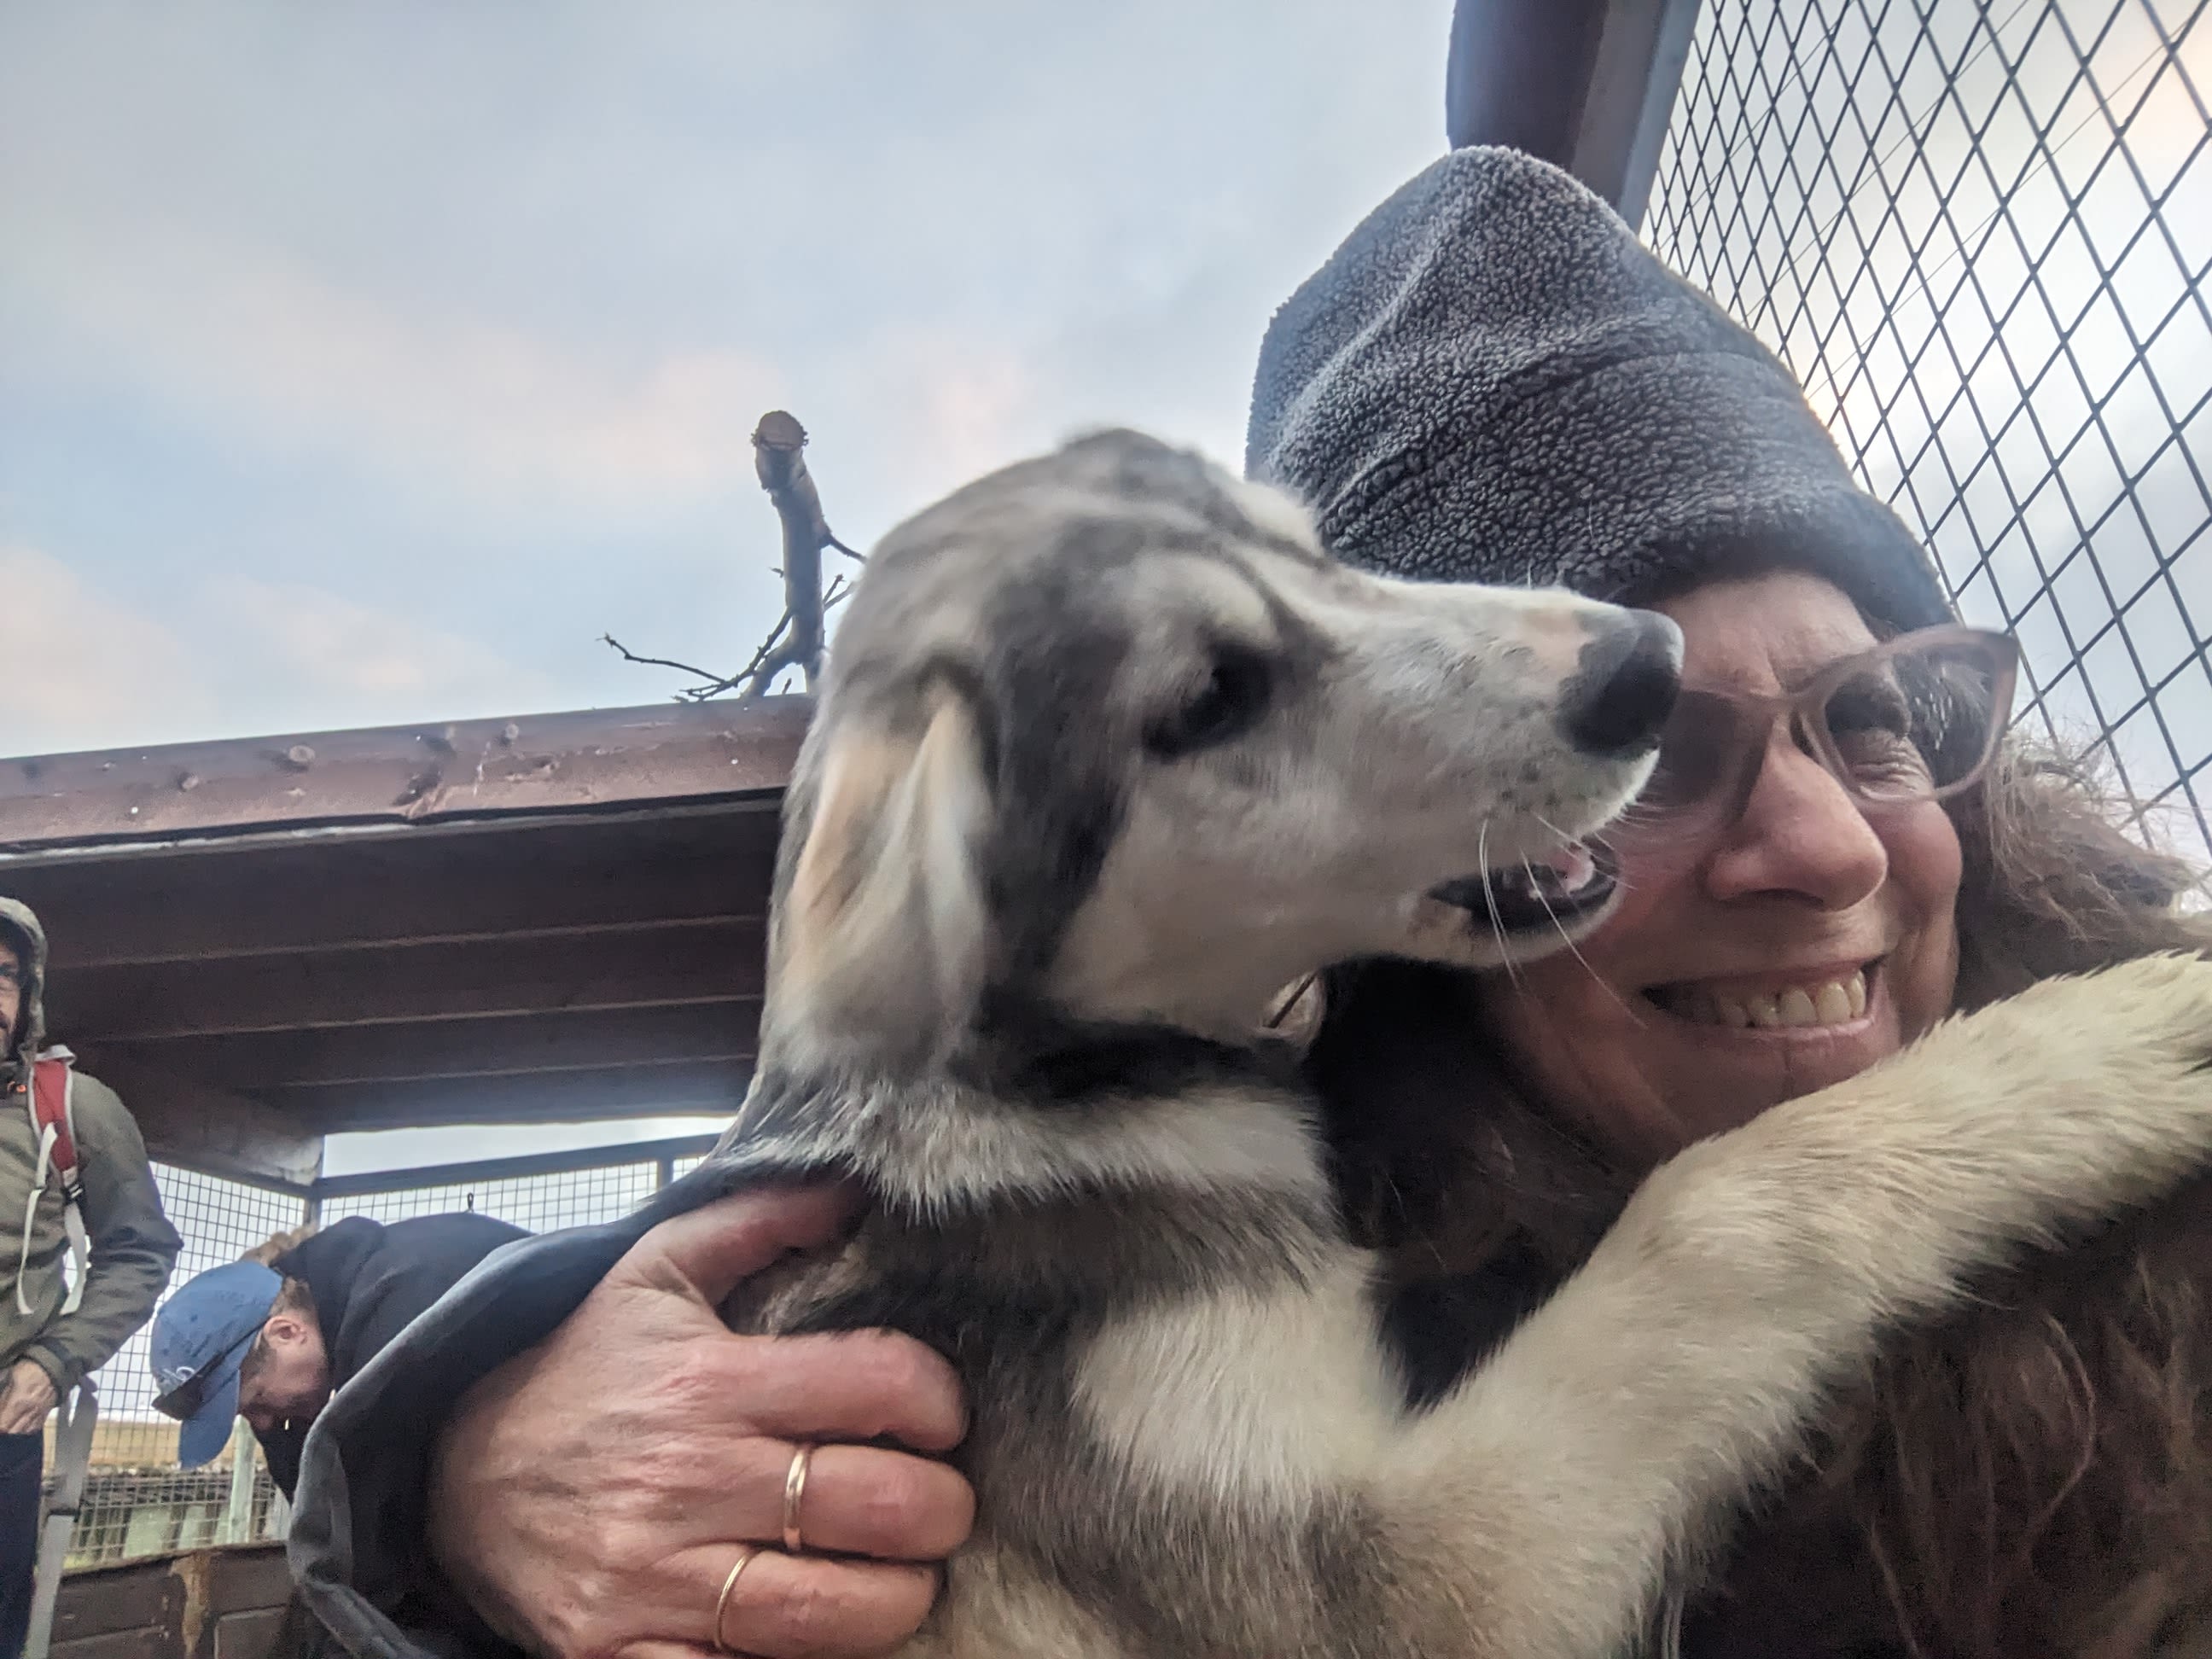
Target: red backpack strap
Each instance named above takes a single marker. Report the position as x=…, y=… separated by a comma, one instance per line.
x=51, y=1081
x=54, y=1133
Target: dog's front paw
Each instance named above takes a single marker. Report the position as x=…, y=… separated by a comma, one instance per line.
x=2150, y=1018
x=2109, y=1074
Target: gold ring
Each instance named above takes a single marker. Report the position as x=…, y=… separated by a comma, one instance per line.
x=745, y=1554
x=794, y=1491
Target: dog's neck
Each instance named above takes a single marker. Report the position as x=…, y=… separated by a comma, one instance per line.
x=1143, y=965
x=1034, y=1105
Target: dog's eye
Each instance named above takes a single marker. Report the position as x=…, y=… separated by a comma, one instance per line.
x=1227, y=705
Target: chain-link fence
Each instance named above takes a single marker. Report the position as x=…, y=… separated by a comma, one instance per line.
x=137, y=1502
x=1979, y=233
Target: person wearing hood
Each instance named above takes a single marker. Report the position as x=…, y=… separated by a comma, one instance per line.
x=1492, y=381
x=84, y=1243
x=272, y=1339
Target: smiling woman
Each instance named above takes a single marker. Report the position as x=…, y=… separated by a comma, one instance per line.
x=1835, y=854
x=1491, y=382
x=1787, y=942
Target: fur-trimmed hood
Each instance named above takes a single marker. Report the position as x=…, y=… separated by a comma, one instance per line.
x=21, y=929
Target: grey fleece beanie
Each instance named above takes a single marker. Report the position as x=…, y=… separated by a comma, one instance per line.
x=1493, y=380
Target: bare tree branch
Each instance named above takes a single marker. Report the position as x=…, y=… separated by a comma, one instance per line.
x=701, y=693
x=798, y=641
x=780, y=463
x=629, y=655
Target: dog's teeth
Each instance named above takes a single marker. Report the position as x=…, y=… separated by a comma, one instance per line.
x=1855, y=987
x=1794, y=1008
x=1731, y=1013
x=1833, y=1007
x=1764, y=1013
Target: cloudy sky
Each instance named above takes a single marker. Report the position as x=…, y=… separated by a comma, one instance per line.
x=363, y=364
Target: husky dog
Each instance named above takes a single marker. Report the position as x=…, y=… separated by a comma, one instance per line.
x=1110, y=751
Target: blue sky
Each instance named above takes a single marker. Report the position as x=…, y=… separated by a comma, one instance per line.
x=363, y=364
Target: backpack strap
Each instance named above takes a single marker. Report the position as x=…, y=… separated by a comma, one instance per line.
x=52, y=1103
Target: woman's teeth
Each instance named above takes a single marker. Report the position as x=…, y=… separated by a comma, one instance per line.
x=1831, y=1002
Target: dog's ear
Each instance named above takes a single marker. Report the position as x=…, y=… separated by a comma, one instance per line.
x=884, y=934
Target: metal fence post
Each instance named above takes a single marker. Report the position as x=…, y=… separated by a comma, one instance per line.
x=1587, y=84
x=244, y=1463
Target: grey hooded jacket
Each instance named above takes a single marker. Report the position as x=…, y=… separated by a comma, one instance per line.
x=133, y=1246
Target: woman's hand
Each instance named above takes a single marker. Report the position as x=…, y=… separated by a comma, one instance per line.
x=591, y=1495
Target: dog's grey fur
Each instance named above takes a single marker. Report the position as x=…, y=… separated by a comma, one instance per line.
x=1018, y=950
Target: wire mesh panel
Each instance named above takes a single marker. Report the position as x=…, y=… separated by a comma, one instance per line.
x=137, y=1502
x=540, y=1203
x=1979, y=233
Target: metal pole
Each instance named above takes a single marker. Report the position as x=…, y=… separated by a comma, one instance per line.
x=73, y=1427
x=1588, y=85
x=245, y=1460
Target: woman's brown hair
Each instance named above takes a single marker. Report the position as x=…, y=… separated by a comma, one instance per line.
x=2030, y=1479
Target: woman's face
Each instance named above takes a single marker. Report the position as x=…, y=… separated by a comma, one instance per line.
x=1792, y=905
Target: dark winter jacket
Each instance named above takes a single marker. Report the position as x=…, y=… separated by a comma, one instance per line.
x=368, y=1281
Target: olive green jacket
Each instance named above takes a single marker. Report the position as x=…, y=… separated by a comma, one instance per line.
x=133, y=1246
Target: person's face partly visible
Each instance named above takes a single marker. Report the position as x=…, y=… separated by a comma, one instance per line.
x=1840, y=922
x=290, y=1380
x=11, y=997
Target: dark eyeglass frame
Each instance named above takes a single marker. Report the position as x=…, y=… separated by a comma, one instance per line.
x=1804, y=708
x=184, y=1400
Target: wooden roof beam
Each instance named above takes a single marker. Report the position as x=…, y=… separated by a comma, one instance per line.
x=494, y=1045
x=214, y=1130
x=670, y=963
x=581, y=1095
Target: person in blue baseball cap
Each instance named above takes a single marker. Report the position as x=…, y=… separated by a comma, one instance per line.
x=272, y=1337
x=200, y=1343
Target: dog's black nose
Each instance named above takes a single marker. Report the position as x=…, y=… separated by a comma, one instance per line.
x=1623, y=686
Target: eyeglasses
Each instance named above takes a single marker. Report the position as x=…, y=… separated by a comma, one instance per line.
x=1917, y=718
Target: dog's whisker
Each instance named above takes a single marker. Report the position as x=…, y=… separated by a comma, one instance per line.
x=1565, y=839
x=1568, y=939
x=1490, y=906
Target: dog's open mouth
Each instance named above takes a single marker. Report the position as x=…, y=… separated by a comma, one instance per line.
x=1541, y=892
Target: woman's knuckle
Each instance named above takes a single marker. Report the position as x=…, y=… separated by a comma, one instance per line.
x=709, y=1383
x=892, y=1503
x=812, y=1616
